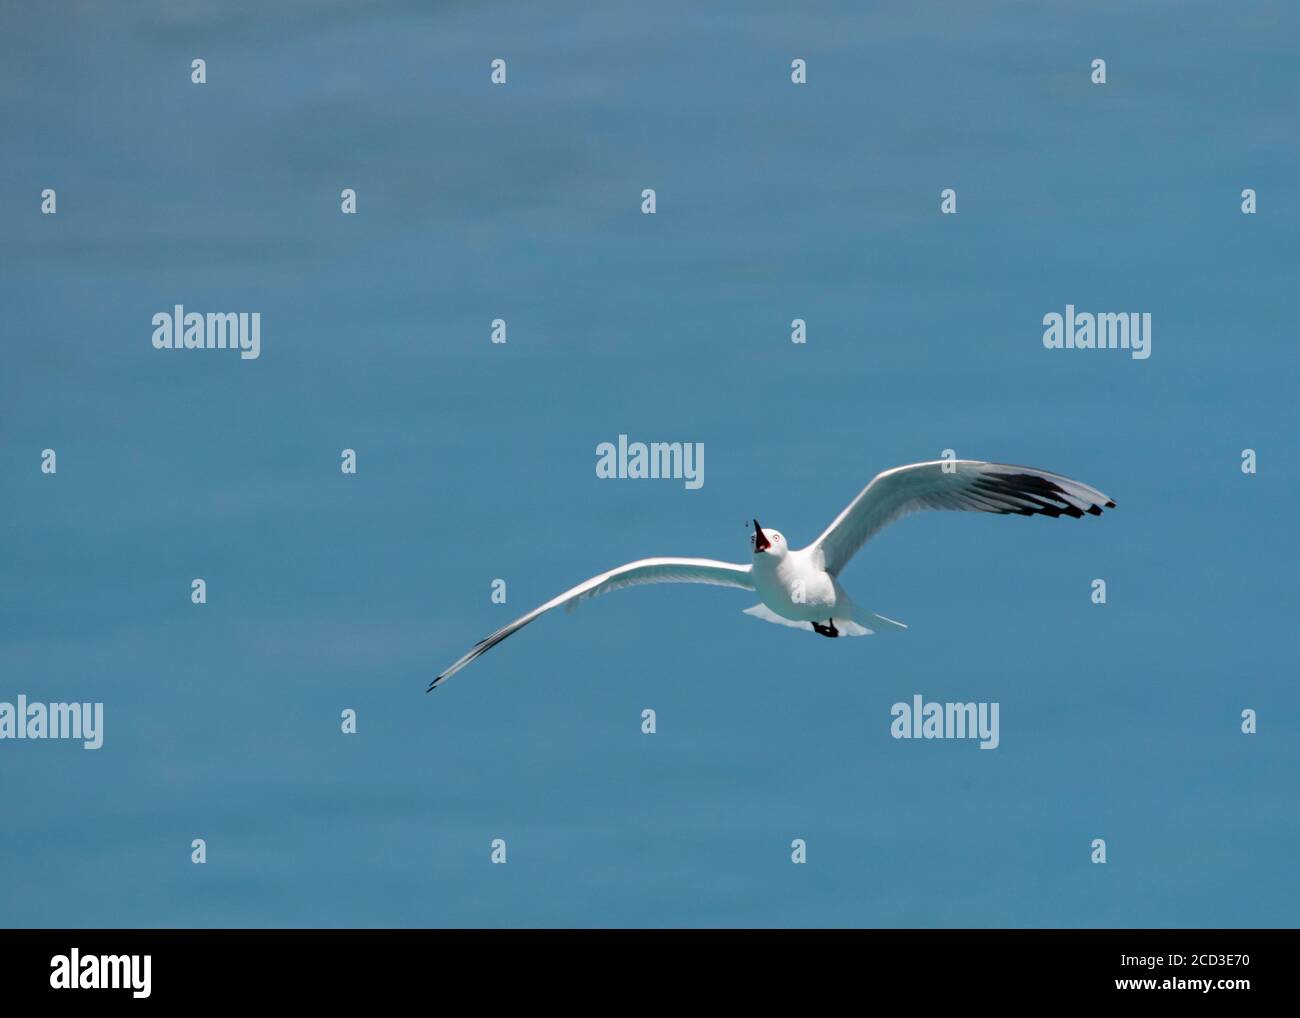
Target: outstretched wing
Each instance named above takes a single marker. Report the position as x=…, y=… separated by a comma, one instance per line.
x=971, y=485
x=646, y=570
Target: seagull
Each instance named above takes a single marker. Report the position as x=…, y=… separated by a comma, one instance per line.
x=801, y=588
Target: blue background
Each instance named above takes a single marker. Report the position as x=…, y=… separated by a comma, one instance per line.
x=476, y=461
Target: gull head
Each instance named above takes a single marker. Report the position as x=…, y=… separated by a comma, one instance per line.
x=767, y=543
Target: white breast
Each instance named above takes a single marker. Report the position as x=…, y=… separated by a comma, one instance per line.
x=795, y=589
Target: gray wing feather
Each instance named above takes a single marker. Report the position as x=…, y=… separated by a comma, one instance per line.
x=966, y=485
x=648, y=570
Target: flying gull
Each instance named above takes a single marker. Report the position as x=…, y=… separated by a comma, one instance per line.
x=801, y=588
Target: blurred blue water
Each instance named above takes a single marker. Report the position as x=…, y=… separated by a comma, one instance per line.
x=476, y=461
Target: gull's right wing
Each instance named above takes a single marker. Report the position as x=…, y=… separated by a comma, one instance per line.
x=646, y=570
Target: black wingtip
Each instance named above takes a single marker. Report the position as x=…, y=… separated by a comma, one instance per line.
x=433, y=685
x=1110, y=505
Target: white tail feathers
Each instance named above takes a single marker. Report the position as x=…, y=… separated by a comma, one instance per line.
x=862, y=623
x=877, y=622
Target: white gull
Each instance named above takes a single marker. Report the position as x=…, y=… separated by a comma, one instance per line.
x=801, y=588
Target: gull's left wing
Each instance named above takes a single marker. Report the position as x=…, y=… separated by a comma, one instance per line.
x=646, y=570
x=965, y=484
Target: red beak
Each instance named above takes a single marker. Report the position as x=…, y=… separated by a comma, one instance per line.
x=761, y=543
